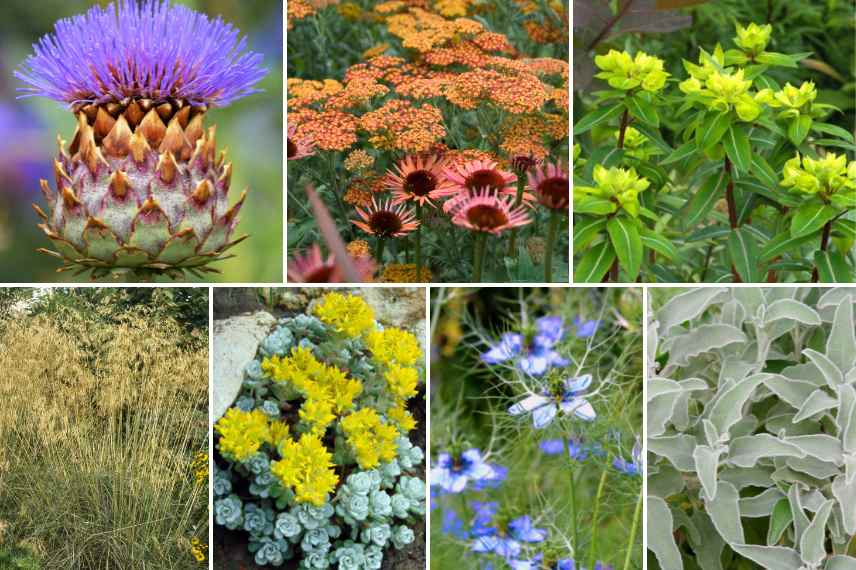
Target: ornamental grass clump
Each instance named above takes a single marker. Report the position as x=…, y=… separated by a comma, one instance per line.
x=730, y=171
x=315, y=463
x=141, y=189
x=752, y=429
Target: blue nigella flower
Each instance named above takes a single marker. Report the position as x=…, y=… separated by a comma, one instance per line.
x=585, y=329
x=453, y=525
x=500, y=473
x=537, y=356
x=145, y=49
x=633, y=467
x=453, y=476
x=535, y=563
x=544, y=407
x=576, y=449
x=507, y=544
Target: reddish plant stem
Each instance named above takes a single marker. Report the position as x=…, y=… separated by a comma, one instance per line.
x=732, y=212
x=625, y=121
x=613, y=270
x=824, y=244
x=610, y=24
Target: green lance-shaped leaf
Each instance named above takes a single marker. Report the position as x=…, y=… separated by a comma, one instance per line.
x=712, y=129
x=585, y=230
x=705, y=197
x=778, y=557
x=627, y=244
x=706, y=465
x=596, y=117
x=810, y=218
x=841, y=344
x=728, y=408
x=725, y=512
x=595, y=263
x=793, y=310
x=661, y=539
x=653, y=240
x=799, y=128
x=688, y=305
x=685, y=150
x=831, y=373
x=594, y=206
x=763, y=171
x=744, y=255
x=812, y=542
x=781, y=244
x=737, y=147
x=702, y=339
x=745, y=451
x=832, y=267
x=780, y=520
x=643, y=110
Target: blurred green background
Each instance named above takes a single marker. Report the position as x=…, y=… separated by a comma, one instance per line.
x=250, y=130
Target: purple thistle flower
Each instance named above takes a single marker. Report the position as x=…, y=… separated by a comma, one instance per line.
x=538, y=356
x=141, y=49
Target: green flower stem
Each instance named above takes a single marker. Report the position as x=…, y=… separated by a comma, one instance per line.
x=631, y=541
x=420, y=217
x=573, y=497
x=478, y=260
x=552, y=234
x=512, y=244
x=824, y=244
x=379, y=250
x=594, y=526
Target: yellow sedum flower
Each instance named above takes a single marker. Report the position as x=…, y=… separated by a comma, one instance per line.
x=314, y=379
x=371, y=440
x=399, y=415
x=242, y=433
x=753, y=39
x=347, y=314
x=394, y=345
x=618, y=185
x=622, y=71
x=402, y=381
x=278, y=433
x=831, y=177
x=306, y=467
x=318, y=414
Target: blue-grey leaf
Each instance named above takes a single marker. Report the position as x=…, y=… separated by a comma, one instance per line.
x=841, y=344
x=845, y=494
x=760, y=505
x=822, y=446
x=728, y=408
x=703, y=339
x=812, y=549
x=800, y=520
x=793, y=310
x=818, y=401
x=831, y=373
x=746, y=451
x=840, y=562
x=678, y=449
x=661, y=540
x=708, y=550
x=724, y=512
x=846, y=418
x=706, y=465
x=778, y=557
x=794, y=392
x=686, y=306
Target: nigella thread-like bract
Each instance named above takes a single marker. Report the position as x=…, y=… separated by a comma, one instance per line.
x=141, y=188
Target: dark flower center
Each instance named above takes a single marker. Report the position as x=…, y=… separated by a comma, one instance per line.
x=555, y=192
x=321, y=274
x=385, y=223
x=485, y=179
x=487, y=217
x=292, y=149
x=420, y=183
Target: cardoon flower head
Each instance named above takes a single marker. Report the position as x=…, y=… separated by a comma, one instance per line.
x=568, y=398
x=141, y=188
x=452, y=474
x=534, y=353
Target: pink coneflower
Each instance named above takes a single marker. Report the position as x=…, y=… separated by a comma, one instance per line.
x=550, y=185
x=298, y=147
x=311, y=267
x=419, y=179
x=486, y=212
x=386, y=220
x=478, y=174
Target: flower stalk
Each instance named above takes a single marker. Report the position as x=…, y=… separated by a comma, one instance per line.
x=631, y=540
x=573, y=498
x=552, y=234
x=592, y=558
x=478, y=256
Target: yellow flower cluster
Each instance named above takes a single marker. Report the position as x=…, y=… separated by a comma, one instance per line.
x=402, y=381
x=197, y=549
x=243, y=433
x=393, y=345
x=399, y=415
x=307, y=468
x=371, y=440
x=199, y=468
x=328, y=390
x=347, y=314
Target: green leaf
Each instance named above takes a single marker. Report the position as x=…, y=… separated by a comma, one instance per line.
x=798, y=129
x=780, y=244
x=627, y=244
x=643, y=110
x=680, y=153
x=594, y=264
x=763, y=171
x=780, y=520
x=585, y=230
x=712, y=129
x=847, y=228
x=596, y=206
x=705, y=197
x=810, y=218
x=778, y=59
x=744, y=255
x=597, y=117
x=654, y=136
x=833, y=130
x=832, y=268
x=737, y=147
x=653, y=240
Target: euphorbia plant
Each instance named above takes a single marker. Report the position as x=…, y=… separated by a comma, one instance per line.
x=727, y=203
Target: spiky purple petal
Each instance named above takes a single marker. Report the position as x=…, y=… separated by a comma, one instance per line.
x=141, y=48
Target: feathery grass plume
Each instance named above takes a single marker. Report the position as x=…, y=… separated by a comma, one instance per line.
x=141, y=190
